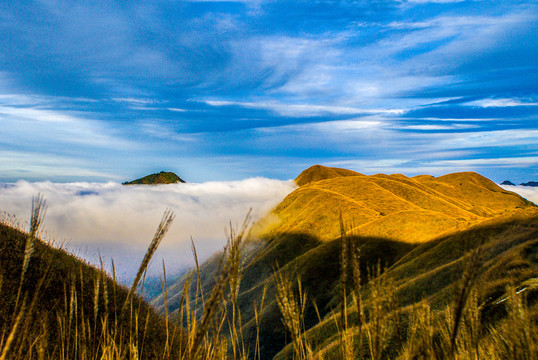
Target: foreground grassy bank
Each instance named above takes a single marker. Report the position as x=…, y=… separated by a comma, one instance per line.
x=55, y=306
x=61, y=308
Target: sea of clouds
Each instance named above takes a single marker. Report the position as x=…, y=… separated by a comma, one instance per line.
x=118, y=221
x=528, y=192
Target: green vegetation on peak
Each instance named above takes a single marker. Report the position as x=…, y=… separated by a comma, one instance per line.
x=155, y=179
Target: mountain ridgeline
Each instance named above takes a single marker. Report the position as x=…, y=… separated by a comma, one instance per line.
x=157, y=179
x=419, y=232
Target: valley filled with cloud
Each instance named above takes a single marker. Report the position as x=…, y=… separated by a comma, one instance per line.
x=119, y=221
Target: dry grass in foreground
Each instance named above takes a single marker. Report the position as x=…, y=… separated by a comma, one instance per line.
x=56, y=307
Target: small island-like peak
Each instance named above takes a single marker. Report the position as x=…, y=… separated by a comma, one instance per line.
x=156, y=179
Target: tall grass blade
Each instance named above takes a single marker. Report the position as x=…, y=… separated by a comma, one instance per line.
x=166, y=221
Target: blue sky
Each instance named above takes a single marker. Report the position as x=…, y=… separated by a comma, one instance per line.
x=102, y=91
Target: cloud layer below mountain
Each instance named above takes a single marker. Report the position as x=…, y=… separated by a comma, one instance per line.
x=528, y=192
x=119, y=221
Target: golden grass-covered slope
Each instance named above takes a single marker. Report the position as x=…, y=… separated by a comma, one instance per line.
x=319, y=172
x=414, y=209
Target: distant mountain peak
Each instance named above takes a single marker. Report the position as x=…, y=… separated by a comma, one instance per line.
x=508, y=182
x=162, y=177
x=530, y=183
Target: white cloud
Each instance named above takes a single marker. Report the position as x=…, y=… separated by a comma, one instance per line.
x=499, y=162
x=38, y=165
x=488, y=138
x=39, y=115
x=121, y=220
x=138, y=101
x=432, y=1
x=32, y=121
x=451, y=119
x=300, y=110
x=528, y=192
x=486, y=103
x=437, y=127
x=420, y=165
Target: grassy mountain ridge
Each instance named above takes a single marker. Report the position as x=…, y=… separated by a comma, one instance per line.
x=420, y=229
x=429, y=270
x=380, y=205
x=432, y=272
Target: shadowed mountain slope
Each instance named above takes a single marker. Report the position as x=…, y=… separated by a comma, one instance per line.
x=69, y=309
x=433, y=271
x=429, y=270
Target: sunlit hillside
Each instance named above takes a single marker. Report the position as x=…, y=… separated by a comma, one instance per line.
x=394, y=206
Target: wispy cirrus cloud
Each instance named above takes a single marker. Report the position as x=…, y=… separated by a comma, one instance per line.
x=304, y=110
x=437, y=166
x=55, y=126
x=510, y=102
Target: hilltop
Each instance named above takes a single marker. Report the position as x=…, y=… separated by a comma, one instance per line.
x=157, y=178
x=319, y=172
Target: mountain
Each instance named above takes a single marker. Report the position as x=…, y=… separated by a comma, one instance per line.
x=420, y=231
x=425, y=283
x=155, y=179
x=507, y=182
x=406, y=209
x=530, y=183
x=386, y=266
